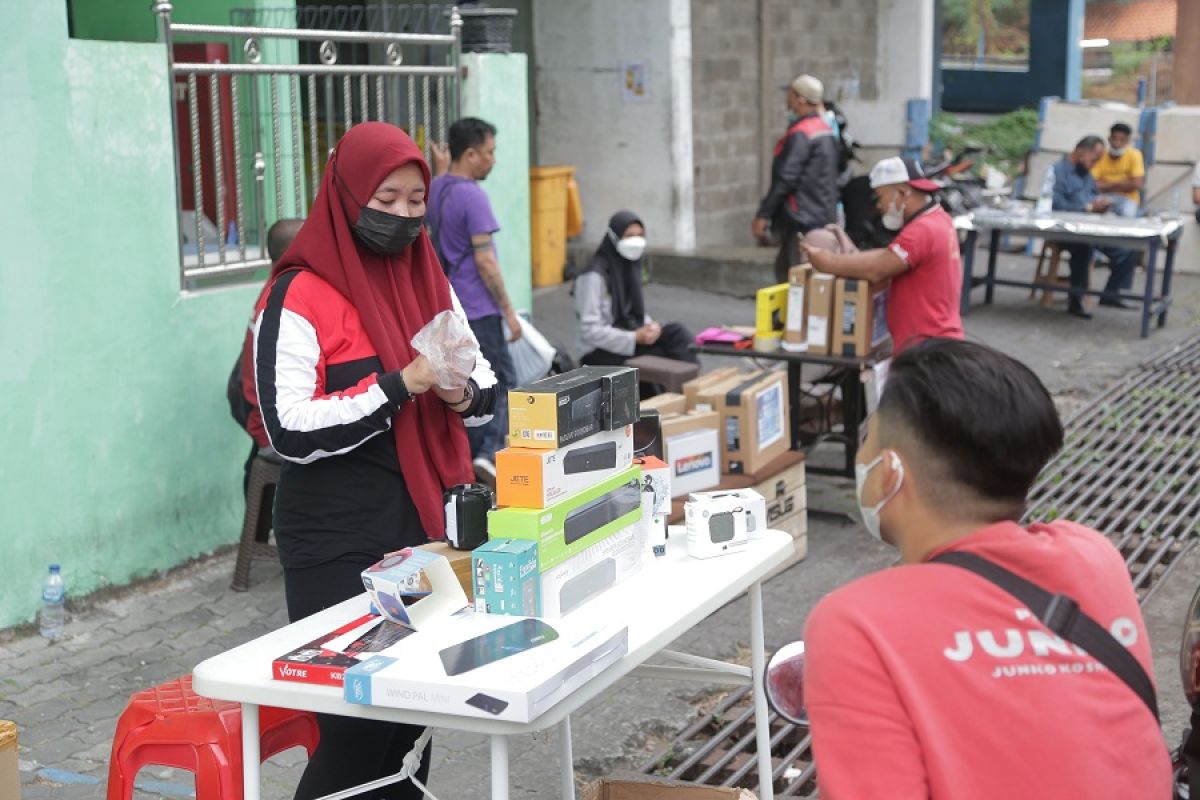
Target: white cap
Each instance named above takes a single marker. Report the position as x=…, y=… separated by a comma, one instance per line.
x=896, y=169
x=808, y=88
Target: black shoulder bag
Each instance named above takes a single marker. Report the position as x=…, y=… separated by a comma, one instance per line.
x=1062, y=615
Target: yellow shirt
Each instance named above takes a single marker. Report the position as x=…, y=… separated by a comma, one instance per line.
x=1129, y=165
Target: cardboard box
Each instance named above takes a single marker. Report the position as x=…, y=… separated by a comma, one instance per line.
x=10, y=778
x=666, y=403
x=754, y=420
x=571, y=525
x=820, y=311
x=558, y=410
x=644, y=787
x=861, y=318
x=506, y=578
x=567, y=587
x=693, y=448
x=692, y=388
x=532, y=478
x=460, y=562
x=795, y=333
x=489, y=666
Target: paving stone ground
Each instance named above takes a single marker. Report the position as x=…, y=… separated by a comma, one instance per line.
x=66, y=696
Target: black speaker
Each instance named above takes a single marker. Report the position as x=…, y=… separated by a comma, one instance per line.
x=601, y=511
x=590, y=458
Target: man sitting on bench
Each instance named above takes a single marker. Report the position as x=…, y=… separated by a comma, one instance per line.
x=1075, y=190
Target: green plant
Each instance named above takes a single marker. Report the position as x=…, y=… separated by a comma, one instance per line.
x=1005, y=139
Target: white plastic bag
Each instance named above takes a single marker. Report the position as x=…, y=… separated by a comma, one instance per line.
x=451, y=348
x=531, y=355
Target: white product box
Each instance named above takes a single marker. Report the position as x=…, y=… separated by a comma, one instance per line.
x=489, y=666
x=568, y=587
x=717, y=523
x=413, y=572
x=744, y=501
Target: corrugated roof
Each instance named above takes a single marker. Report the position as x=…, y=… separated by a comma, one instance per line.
x=1138, y=21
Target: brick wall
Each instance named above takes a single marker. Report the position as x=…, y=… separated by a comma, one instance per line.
x=833, y=39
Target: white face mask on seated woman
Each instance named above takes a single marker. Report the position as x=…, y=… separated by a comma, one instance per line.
x=630, y=248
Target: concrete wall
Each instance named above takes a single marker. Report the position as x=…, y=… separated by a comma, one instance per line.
x=743, y=53
x=621, y=149
x=117, y=452
x=495, y=90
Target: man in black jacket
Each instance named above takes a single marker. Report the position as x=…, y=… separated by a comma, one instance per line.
x=803, y=193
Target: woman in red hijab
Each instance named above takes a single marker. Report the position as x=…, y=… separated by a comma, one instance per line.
x=370, y=439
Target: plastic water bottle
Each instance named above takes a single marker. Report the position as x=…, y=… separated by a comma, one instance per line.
x=54, y=594
x=1045, y=201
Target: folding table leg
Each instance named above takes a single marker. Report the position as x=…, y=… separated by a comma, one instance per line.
x=1148, y=293
x=1168, y=270
x=567, y=757
x=758, y=667
x=968, y=267
x=251, y=758
x=499, y=767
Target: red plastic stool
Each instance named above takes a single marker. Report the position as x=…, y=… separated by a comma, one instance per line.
x=172, y=726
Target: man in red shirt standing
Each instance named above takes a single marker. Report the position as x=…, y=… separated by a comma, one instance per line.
x=922, y=262
x=928, y=680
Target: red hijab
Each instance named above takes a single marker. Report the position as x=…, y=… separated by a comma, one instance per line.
x=395, y=297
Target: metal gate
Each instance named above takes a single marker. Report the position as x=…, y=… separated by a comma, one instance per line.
x=253, y=123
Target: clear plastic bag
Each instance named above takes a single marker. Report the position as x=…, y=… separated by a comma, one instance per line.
x=532, y=355
x=451, y=348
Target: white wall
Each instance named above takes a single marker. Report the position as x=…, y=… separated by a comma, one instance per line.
x=622, y=150
x=904, y=72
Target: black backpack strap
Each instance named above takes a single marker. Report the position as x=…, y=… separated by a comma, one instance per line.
x=1062, y=615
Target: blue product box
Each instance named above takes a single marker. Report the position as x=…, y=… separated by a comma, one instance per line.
x=505, y=574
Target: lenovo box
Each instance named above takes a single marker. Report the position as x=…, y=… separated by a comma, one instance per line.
x=556, y=411
x=860, y=322
x=506, y=577
x=533, y=478
x=795, y=333
x=490, y=666
x=820, y=311
x=581, y=577
x=754, y=420
x=666, y=403
x=692, y=388
x=571, y=525
x=693, y=448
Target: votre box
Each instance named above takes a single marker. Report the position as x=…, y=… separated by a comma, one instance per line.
x=556, y=411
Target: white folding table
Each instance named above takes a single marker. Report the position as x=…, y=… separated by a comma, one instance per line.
x=671, y=595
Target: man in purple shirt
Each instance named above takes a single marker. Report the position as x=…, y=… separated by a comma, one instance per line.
x=462, y=224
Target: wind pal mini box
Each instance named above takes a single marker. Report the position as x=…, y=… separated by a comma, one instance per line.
x=571, y=525
x=531, y=478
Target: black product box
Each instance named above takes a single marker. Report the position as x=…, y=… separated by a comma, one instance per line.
x=554, y=412
x=621, y=400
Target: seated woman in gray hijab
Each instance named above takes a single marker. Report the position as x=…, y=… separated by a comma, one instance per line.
x=613, y=323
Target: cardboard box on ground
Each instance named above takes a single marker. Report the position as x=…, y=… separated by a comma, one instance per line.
x=10, y=778
x=643, y=787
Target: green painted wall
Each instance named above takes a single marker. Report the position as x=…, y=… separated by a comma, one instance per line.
x=495, y=90
x=117, y=454
x=129, y=21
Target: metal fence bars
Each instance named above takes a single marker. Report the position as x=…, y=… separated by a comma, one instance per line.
x=254, y=123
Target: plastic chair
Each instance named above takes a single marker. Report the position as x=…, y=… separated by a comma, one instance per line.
x=260, y=496
x=1046, y=273
x=172, y=726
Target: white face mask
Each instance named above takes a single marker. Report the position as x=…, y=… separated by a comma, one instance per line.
x=893, y=218
x=631, y=248
x=870, y=514
x=1116, y=152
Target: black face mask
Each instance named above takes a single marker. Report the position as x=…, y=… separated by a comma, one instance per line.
x=1081, y=170
x=386, y=234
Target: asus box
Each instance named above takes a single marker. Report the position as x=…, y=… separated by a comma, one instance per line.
x=489, y=666
x=575, y=523
x=531, y=478
x=561, y=409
